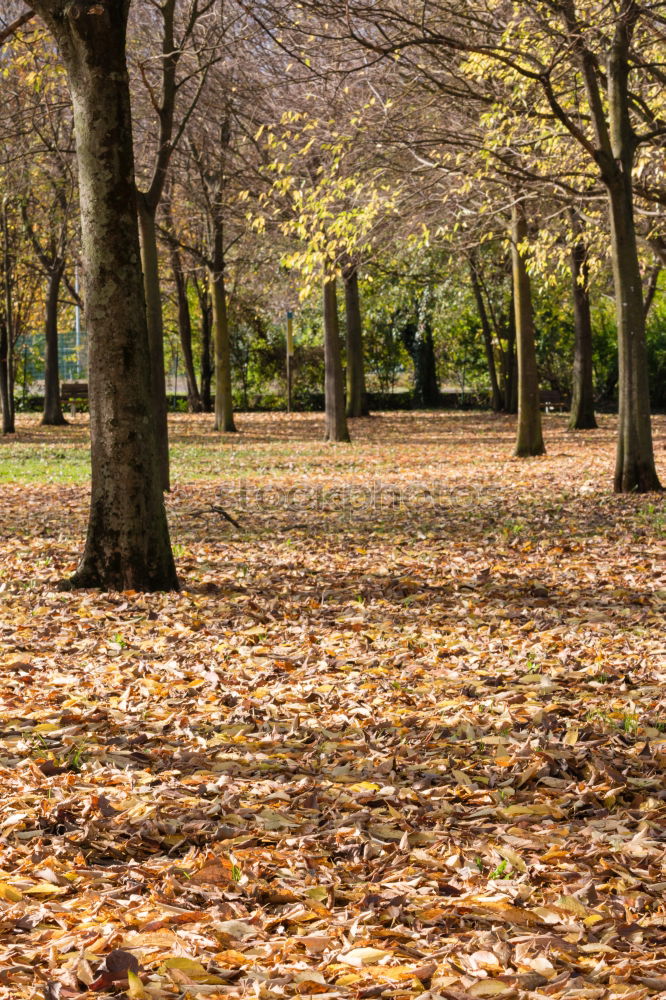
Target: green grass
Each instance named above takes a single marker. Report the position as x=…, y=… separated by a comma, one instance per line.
x=61, y=455
x=653, y=518
x=44, y=461
x=31, y=463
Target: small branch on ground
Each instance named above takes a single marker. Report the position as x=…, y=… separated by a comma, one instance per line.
x=216, y=509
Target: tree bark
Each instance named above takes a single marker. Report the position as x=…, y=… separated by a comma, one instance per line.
x=6, y=394
x=582, y=403
x=206, y=327
x=510, y=362
x=127, y=545
x=6, y=333
x=148, y=201
x=53, y=415
x=529, y=440
x=336, y=421
x=224, y=407
x=153, y=298
x=194, y=404
x=614, y=153
x=357, y=404
x=635, y=470
x=496, y=395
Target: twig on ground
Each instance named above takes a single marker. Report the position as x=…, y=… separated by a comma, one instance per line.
x=216, y=509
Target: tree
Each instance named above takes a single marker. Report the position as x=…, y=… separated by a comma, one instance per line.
x=606, y=49
x=6, y=327
x=417, y=337
x=19, y=294
x=127, y=545
x=164, y=93
x=587, y=75
x=336, y=420
x=616, y=141
x=582, y=402
x=210, y=157
x=328, y=199
x=206, y=316
x=606, y=53
x=39, y=171
x=180, y=279
x=49, y=240
x=357, y=400
x=529, y=439
x=495, y=392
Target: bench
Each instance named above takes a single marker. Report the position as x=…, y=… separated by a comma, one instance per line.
x=73, y=393
x=551, y=400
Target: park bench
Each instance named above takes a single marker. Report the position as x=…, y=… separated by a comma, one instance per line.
x=551, y=400
x=73, y=393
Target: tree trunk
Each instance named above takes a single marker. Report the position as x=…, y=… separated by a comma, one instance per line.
x=6, y=394
x=206, y=364
x=357, y=404
x=153, y=295
x=194, y=404
x=634, y=464
x=635, y=470
x=6, y=334
x=651, y=289
x=582, y=404
x=529, y=440
x=336, y=421
x=224, y=407
x=513, y=385
x=127, y=546
x=510, y=364
x=426, y=383
x=496, y=395
x=53, y=415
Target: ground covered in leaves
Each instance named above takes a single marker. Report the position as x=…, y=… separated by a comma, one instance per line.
x=401, y=734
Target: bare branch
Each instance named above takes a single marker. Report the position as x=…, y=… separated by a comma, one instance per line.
x=12, y=28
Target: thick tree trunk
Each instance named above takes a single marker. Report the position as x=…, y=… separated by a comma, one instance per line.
x=582, y=403
x=529, y=440
x=127, y=546
x=635, y=470
x=336, y=421
x=53, y=415
x=496, y=395
x=151, y=281
x=224, y=407
x=357, y=404
x=6, y=393
x=194, y=404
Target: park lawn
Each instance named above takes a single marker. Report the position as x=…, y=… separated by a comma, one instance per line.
x=272, y=444
x=403, y=730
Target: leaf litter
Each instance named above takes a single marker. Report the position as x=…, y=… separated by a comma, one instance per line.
x=395, y=738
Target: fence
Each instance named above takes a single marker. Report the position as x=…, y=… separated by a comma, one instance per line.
x=72, y=357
